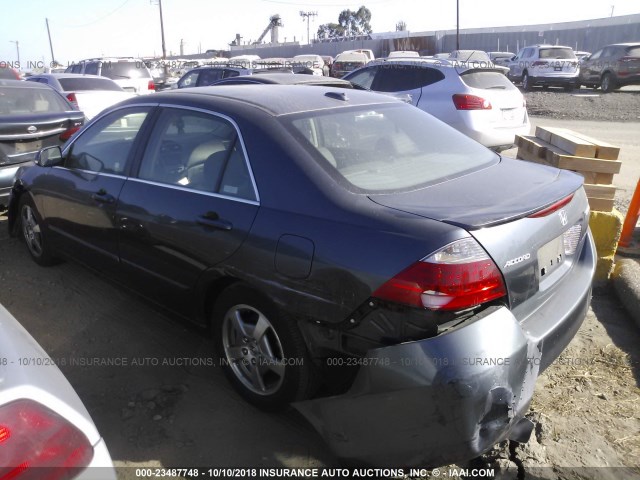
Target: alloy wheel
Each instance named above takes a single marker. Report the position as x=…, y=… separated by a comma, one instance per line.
x=31, y=231
x=253, y=349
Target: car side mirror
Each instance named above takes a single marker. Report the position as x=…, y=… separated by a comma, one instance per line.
x=49, y=157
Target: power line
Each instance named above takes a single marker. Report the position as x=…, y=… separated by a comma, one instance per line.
x=98, y=19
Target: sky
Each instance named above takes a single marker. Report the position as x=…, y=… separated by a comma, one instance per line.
x=93, y=28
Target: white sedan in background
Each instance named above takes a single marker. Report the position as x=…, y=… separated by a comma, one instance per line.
x=45, y=430
x=88, y=93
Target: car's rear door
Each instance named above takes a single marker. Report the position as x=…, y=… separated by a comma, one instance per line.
x=80, y=196
x=188, y=207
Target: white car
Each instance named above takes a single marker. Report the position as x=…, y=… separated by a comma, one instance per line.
x=131, y=74
x=545, y=65
x=479, y=102
x=45, y=430
x=314, y=62
x=88, y=93
x=403, y=54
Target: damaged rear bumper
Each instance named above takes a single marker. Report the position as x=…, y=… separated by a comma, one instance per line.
x=452, y=397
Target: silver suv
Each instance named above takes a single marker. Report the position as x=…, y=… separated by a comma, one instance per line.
x=132, y=75
x=545, y=65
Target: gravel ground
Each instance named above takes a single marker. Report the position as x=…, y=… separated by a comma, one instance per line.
x=585, y=104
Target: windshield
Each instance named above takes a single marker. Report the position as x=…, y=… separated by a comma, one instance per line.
x=388, y=148
x=18, y=100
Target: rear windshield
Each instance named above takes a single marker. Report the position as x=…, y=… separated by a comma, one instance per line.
x=80, y=84
x=119, y=70
x=388, y=148
x=18, y=100
x=556, y=53
x=487, y=80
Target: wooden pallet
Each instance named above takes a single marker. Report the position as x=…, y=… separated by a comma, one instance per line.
x=595, y=160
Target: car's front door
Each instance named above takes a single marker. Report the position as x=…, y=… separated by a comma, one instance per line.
x=80, y=196
x=189, y=206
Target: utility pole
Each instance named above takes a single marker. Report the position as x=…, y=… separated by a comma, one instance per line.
x=612, y=7
x=164, y=48
x=457, y=24
x=53, y=58
x=17, y=49
x=308, y=15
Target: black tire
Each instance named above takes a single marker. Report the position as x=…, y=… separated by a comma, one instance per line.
x=34, y=233
x=249, y=331
x=607, y=84
x=526, y=82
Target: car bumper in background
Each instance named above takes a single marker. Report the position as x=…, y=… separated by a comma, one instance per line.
x=556, y=81
x=452, y=397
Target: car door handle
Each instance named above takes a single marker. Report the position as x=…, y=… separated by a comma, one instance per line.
x=101, y=196
x=213, y=220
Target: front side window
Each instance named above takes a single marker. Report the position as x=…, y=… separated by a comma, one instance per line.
x=209, y=76
x=189, y=80
x=197, y=151
x=92, y=68
x=105, y=147
x=387, y=148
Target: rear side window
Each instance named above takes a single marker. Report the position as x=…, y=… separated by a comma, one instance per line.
x=209, y=76
x=92, y=68
x=18, y=100
x=560, y=53
x=81, y=84
x=197, y=151
x=633, y=51
x=398, y=78
x=105, y=146
x=189, y=80
x=487, y=80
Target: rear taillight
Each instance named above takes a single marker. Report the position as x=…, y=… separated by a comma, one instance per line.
x=32, y=437
x=66, y=135
x=552, y=208
x=151, y=85
x=470, y=102
x=459, y=276
x=539, y=63
x=73, y=100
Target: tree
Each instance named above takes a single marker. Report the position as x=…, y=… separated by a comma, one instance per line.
x=350, y=23
x=401, y=26
x=329, y=31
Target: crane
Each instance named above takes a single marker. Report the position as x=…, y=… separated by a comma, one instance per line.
x=274, y=22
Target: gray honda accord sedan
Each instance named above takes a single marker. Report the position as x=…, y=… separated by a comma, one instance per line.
x=398, y=283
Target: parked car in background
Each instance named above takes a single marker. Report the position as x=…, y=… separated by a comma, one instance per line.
x=287, y=79
x=403, y=54
x=479, y=102
x=581, y=55
x=366, y=51
x=8, y=73
x=131, y=74
x=346, y=62
x=501, y=58
x=612, y=67
x=313, y=230
x=203, y=76
x=45, y=430
x=315, y=63
x=474, y=59
x=88, y=93
x=545, y=65
x=32, y=116
x=441, y=56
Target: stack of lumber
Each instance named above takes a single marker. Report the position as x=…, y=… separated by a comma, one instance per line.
x=595, y=160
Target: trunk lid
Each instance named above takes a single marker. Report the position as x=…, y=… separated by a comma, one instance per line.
x=22, y=136
x=495, y=205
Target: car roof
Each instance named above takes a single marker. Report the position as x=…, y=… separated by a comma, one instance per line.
x=70, y=75
x=290, y=79
x=627, y=44
x=277, y=99
x=23, y=84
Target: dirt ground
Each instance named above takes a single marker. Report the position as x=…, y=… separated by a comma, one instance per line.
x=166, y=406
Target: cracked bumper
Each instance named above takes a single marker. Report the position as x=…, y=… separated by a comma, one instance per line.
x=451, y=398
